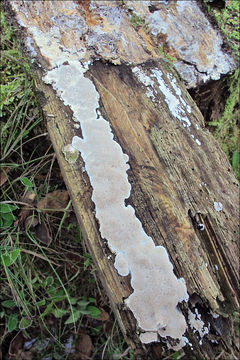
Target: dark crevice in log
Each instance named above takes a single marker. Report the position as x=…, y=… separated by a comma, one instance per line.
x=211, y=98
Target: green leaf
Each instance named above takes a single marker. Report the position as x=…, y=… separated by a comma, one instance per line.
x=48, y=281
x=25, y=323
x=5, y=223
x=92, y=300
x=175, y=356
x=85, y=311
x=47, y=310
x=8, y=258
x=25, y=181
x=73, y=317
x=94, y=311
x=8, y=216
x=8, y=303
x=73, y=301
x=7, y=219
x=12, y=322
x=41, y=303
x=58, y=298
x=83, y=303
x=58, y=313
x=6, y=208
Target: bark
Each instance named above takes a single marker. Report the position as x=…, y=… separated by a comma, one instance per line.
x=175, y=182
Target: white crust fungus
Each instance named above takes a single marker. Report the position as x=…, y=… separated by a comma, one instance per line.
x=218, y=206
x=197, y=325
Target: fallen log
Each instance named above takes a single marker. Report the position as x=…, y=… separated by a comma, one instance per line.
x=144, y=175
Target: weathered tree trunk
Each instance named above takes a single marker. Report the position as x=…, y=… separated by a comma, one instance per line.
x=183, y=189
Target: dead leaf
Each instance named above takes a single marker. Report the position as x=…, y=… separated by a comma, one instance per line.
x=29, y=198
x=41, y=233
x=55, y=200
x=104, y=316
x=83, y=347
x=17, y=351
x=3, y=175
x=108, y=327
x=16, y=345
x=31, y=221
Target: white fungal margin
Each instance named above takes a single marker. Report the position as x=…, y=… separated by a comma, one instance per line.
x=197, y=325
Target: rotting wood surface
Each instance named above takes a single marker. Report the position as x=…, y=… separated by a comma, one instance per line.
x=175, y=183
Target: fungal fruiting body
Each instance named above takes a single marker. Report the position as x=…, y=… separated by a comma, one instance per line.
x=157, y=291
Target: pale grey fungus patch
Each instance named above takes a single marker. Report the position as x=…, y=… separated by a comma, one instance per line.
x=197, y=325
x=145, y=80
x=172, y=101
x=29, y=45
x=214, y=315
x=196, y=41
x=121, y=264
x=152, y=276
x=148, y=337
x=216, y=267
x=176, y=88
x=142, y=77
x=176, y=104
x=187, y=342
x=218, y=206
x=48, y=44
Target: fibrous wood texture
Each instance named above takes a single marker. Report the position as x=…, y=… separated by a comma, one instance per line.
x=183, y=189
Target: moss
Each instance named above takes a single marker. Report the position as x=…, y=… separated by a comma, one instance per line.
x=226, y=128
x=228, y=20
x=166, y=55
x=138, y=22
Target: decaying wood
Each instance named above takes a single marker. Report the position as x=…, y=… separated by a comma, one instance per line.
x=175, y=183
